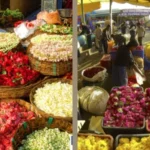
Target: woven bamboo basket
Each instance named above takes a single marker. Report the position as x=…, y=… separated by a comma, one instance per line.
x=27, y=105
x=19, y=91
x=37, y=124
x=49, y=68
x=41, y=85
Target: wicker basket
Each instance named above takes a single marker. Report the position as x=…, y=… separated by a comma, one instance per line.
x=49, y=68
x=36, y=124
x=41, y=85
x=19, y=91
x=27, y=105
x=99, y=136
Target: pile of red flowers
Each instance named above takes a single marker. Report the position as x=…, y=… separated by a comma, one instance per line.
x=68, y=76
x=12, y=115
x=15, y=69
x=92, y=72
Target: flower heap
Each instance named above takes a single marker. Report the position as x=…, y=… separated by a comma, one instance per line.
x=53, y=48
x=125, y=107
x=8, y=41
x=12, y=115
x=15, y=69
x=55, y=98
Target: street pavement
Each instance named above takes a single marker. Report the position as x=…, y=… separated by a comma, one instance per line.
x=91, y=57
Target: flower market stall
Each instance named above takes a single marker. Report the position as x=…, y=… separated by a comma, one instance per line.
x=35, y=81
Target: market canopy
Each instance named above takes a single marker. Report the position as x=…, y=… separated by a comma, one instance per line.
x=135, y=12
x=88, y=6
x=145, y=3
x=98, y=13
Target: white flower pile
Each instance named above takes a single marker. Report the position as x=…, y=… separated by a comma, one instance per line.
x=8, y=41
x=55, y=98
x=54, y=48
x=52, y=51
x=46, y=139
x=54, y=37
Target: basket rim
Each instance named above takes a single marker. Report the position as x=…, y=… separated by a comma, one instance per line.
x=21, y=102
x=41, y=124
x=52, y=80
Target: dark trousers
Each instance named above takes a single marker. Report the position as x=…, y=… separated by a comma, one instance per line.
x=119, y=76
x=140, y=40
x=132, y=35
x=89, y=41
x=105, y=45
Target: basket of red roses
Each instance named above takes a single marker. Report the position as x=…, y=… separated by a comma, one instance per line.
x=13, y=113
x=16, y=76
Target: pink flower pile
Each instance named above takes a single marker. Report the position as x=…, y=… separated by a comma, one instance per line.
x=125, y=108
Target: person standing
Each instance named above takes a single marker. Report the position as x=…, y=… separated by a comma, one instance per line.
x=98, y=37
x=124, y=59
x=119, y=39
x=87, y=33
x=140, y=33
x=105, y=38
x=132, y=31
x=123, y=28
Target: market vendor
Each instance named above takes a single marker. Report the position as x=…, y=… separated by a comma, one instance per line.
x=124, y=59
x=119, y=39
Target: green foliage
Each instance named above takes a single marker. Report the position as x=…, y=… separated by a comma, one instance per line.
x=13, y=13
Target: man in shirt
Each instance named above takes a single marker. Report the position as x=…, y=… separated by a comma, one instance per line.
x=140, y=33
x=124, y=59
x=98, y=36
x=105, y=38
x=123, y=28
x=86, y=32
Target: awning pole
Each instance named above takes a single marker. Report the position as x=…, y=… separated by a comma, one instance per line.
x=83, y=17
x=110, y=8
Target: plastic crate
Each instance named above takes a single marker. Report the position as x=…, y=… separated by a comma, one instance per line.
x=128, y=136
x=96, y=134
x=139, y=53
x=114, y=131
x=147, y=128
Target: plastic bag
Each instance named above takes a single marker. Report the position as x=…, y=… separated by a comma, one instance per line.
x=93, y=99
x=22, y=31
x=139, y=78
x=25, y=29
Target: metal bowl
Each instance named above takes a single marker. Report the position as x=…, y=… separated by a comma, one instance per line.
x=65, y=13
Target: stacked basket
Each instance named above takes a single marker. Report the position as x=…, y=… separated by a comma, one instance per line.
x=45, y=72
